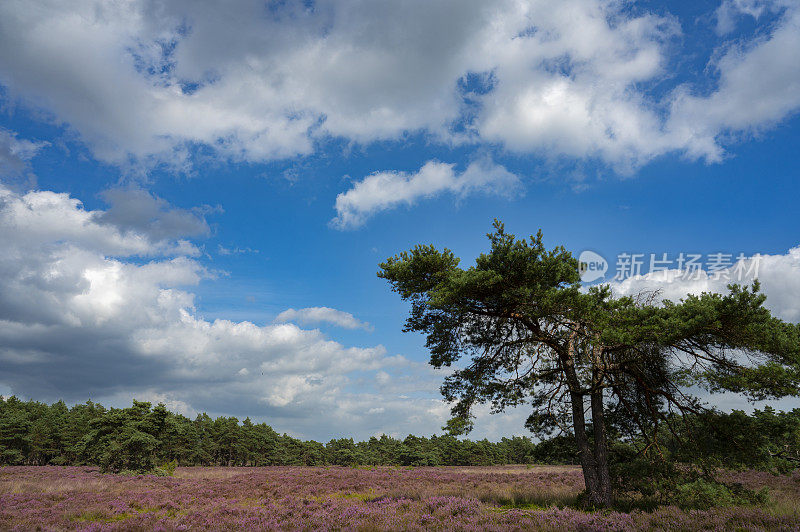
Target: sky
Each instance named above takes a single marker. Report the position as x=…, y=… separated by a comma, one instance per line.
x=195, y=197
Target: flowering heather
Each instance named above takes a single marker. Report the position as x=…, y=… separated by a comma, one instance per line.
x=336, y=498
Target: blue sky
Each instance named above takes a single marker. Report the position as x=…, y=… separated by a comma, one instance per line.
x=235, y=162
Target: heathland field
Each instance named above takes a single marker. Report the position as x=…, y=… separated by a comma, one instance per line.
x=343, y=498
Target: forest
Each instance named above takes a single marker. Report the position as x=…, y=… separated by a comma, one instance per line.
x=145, y=438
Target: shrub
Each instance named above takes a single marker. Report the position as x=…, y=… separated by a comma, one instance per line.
x=11, y=457
x=649, y=481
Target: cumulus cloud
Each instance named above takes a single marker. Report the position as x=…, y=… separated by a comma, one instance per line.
x=57, y=222
x=15, y=156
x=149, y=80
x=89, y=309
x=386, y=190
x=314, y=315
x=779, y=276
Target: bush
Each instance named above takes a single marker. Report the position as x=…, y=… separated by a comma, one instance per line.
x=649, y=481
x=702, y=495
x=11, y=457
x=165, y=470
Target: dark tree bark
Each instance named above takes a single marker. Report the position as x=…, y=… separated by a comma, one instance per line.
x=594, y=461
x=585, y=453
x=605, y=494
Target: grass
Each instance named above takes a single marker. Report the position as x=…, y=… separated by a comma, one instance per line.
x=101, y=517
x=208, y=473
x=530, y=499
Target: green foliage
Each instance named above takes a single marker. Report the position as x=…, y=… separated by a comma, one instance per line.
x=767, y=440
x=646, y=482
x=559, y=449
x=683, y=472
x=169, y=467
x=12, y=457
x=702, y=494
x=165, y=470
x=135, y=440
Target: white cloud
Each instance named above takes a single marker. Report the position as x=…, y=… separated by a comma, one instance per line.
x=779, y=276
x=83, y=316
x=147, y=80
x=759, y=85
x=386, y=190
x=315, y=315
x=55, y=221
x=730, y=11
x=566, y=81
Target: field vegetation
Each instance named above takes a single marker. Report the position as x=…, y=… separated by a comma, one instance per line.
x=358, y=498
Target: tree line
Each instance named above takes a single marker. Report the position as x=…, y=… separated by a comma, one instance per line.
x=143, y=437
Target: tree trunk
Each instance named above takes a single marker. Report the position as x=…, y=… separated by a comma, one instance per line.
x=595, y=473
x=586, y=455
x=605, y=493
